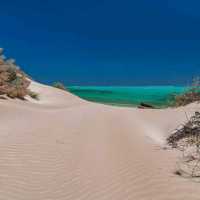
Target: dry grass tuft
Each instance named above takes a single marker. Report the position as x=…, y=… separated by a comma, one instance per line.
x=59, y=85
x=33, y=95
x=190, y=96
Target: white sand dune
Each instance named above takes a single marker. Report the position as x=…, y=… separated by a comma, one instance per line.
x=64, y=148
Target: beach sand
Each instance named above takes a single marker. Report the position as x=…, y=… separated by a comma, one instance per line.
x=65, y=148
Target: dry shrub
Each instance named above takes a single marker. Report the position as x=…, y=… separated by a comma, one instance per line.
x=17, y=88
x=13, y=81
x=187, y=140
x=59, y=85
x=190, y=96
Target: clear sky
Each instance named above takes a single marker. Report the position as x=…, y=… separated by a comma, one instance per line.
x=104, y=42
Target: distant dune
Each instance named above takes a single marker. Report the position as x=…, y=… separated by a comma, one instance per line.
x=61, y=147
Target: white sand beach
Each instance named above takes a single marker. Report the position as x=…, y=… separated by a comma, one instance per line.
x=65, y=148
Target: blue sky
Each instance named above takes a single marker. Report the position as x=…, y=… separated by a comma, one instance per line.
x=104, y=42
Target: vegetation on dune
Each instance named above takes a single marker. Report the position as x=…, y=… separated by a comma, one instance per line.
x=59, y=85
x=187, y=140
x=33, y=95
x=187, y=137
x=191, y=95
x=13, y=81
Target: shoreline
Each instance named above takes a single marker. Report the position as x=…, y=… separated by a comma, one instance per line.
x=130, y=96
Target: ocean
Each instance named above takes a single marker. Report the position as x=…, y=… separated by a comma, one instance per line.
x=159, y=96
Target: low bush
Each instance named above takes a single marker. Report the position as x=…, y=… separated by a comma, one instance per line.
x=191, y=95
x=59, y=85
x=13, y=81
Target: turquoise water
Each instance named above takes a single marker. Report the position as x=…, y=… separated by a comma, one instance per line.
x=159, y=96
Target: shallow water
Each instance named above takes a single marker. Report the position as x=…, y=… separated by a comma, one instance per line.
x=159, y=96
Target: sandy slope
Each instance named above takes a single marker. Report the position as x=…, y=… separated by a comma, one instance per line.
x=64, y=148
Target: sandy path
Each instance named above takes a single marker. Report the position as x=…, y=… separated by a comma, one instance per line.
x=65, y=148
